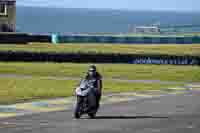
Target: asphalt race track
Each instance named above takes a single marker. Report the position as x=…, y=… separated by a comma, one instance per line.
x=165, y=114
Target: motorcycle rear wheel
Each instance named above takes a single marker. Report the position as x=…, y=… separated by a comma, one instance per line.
x=92, y=115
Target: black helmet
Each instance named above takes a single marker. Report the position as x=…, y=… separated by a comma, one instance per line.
x=92, y=68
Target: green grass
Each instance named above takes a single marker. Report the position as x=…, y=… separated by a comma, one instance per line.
x=124, y=71
x=14, y=90
x=108, y=48
x=19, y=90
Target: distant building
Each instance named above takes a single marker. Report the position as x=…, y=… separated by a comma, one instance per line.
x=7, y=15
x=146, y=29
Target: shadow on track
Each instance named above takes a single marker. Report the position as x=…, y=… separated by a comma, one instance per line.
x=129, y=117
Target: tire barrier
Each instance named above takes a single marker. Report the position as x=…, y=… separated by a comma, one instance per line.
x=98, y=58
x=39, y=38
x=10, y=38
x=23, y=38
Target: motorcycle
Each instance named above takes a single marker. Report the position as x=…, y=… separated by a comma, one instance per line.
x=86, y=100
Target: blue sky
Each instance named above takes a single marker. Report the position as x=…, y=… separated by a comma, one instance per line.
x=177, y=5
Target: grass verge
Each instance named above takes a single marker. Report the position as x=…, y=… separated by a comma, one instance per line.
x=14, y=90
x=18, y=89
x=167, y=49
x=124, y=71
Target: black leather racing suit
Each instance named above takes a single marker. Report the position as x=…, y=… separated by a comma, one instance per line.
x=96, y=82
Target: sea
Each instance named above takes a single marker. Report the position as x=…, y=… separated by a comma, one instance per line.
x=71, y=20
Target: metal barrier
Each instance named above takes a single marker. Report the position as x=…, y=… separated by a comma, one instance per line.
x=128, y=40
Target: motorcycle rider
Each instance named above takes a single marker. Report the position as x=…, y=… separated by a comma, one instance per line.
x=95, y=79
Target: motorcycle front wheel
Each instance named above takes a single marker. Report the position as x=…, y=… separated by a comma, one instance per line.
x=77, y=111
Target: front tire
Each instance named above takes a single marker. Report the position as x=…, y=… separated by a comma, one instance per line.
x=77, y=113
